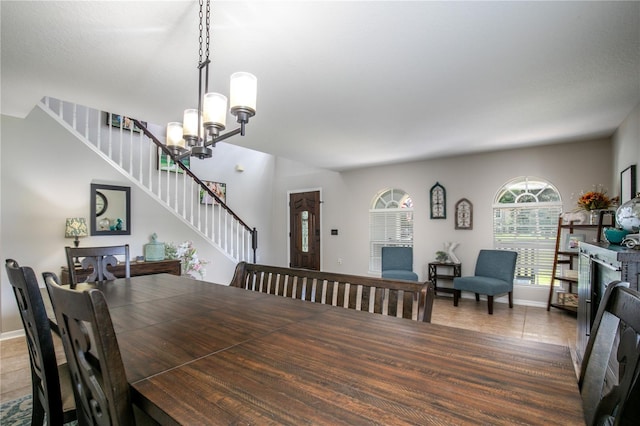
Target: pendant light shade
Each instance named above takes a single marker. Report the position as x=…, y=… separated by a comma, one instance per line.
x=243, y=89
x=190, y=125
x=214, y=110
x=174, y=135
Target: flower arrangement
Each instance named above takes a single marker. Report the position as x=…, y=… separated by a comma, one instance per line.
x=594, y=200
x=188, y=255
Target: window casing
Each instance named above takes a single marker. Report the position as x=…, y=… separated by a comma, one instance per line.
x=390, y=224
x=525, y=219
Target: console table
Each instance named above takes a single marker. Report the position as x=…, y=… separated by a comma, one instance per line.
x=137, y=268
x=450, y=271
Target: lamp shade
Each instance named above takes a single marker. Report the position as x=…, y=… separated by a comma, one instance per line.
x=174, y=135
x=214, y=110
x=243, y=91
x=76, y=227
x=190, y=124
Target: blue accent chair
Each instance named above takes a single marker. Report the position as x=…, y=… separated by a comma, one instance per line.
x=495, y=270
x=397, y=263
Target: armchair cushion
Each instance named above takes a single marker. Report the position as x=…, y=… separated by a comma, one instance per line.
x=483, y=285
x=397, y=263
x=397, y=274
x=499, y=264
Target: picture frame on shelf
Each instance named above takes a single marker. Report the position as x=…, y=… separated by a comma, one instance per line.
x=166, y=164
x=218, y=188
x=627, y=184
x=572, y=241
x=123, y=122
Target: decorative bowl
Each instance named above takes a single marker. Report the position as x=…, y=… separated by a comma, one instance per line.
x=615, y=236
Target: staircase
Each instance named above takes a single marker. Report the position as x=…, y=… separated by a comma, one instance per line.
x=136, y=155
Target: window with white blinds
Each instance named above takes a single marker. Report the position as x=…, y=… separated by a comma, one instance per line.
x=390, y=224
x=525, y=219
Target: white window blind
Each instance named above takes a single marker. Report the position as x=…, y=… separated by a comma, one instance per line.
x=388, y=227
x=529, y=229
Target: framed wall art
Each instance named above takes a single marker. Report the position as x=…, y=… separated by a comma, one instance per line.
x=124, y=122
x=166, y=163
x=438, y=199
x=464, y=214
x=627, y=184
x=220, y=189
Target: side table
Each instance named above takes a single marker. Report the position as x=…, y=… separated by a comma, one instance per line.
x=449, y=272
x=169, y=266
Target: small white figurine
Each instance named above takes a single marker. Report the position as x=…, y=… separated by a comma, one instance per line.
x=449, y=248
x=631, y=241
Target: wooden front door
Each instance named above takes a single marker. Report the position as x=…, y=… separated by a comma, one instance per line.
x=304, y=223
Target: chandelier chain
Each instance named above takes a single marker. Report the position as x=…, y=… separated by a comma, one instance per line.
x=200, y=35
x=208, y=18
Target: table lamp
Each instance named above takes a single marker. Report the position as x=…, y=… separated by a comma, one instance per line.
x=76, y=227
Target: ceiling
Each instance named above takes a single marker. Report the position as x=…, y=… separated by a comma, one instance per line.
x=342, y=84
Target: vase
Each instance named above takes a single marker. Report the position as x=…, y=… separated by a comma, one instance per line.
x=628, y=215
x=594, y=216
x=449, y=248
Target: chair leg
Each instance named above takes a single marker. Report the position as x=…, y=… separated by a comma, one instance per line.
x=456, y=297
x=477, y=297
x=511, y=299
x=490, y=303
x=37, y=410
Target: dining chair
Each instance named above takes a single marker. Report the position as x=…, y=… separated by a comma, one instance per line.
x=52, y=394
x=96, y=258
x=607, y=399
x=99, y=381
x=397, y=263
x=494, y=273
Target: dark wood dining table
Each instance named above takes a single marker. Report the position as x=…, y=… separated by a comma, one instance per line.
x=198, y=353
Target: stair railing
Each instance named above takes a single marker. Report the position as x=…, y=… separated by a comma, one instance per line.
x=130, y=147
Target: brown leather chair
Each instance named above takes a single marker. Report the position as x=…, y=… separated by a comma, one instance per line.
x=605, y=399
x=96, y=258
x=51, y=383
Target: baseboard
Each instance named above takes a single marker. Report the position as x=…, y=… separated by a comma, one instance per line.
x=11, y=334
x=501, y=299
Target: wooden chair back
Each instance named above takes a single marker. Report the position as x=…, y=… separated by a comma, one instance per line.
x=97, y=258
x=614, y=342
x=398, y=298
x=51, y=389
x=99, y=381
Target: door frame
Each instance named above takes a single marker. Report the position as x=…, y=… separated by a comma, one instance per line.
x=286, y=210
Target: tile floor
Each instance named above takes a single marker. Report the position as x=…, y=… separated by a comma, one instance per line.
x=524, y=322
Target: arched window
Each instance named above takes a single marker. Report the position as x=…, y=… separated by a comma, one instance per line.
x=390, y=224
x=525, y=219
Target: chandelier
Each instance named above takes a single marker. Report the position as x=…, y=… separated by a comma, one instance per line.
x=201, y=127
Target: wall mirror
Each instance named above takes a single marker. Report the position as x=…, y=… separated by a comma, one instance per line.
x=110, y=210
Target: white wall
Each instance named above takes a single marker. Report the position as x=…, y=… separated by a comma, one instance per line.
x=249, y=192
x=347, y=197
x=626, y=147
x=46, y=175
